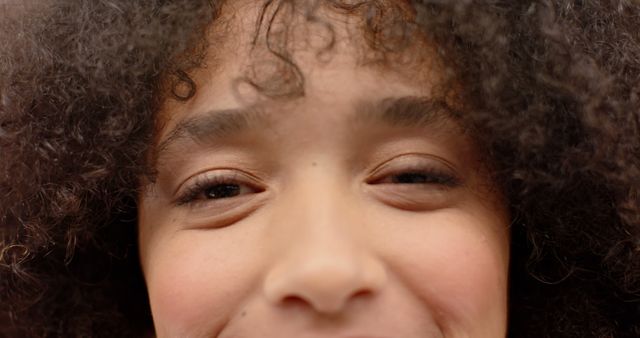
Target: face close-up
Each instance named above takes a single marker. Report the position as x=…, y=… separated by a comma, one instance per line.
x=361, y=209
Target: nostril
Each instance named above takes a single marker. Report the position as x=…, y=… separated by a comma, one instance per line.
x=324, y=285
x=295, y=301
x=362, y=294
x=327, y=304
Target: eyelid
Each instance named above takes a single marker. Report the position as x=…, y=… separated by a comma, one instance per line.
x=413, y=161
x=223, y=175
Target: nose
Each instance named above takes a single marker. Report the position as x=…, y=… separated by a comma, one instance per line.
x=326, y=284
x=325, y=263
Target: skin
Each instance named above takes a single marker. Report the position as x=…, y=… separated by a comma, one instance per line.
x=320, y=216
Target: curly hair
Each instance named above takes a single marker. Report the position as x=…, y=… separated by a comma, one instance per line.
x=549, y=88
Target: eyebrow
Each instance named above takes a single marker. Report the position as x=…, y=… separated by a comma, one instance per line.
x=215, y=125
x=406, y=111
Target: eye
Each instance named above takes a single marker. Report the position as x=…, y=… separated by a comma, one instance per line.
x=427, y=176
x=415, y=182
x=414, y=169
x=224, y=190
x=215, y=186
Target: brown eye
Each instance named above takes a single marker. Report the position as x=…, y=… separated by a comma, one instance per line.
x=415, y=189
x=407, y=178
x=416, y=177
x=212, y=187
x=222, y=191
x=420, y=178
x=419, y=170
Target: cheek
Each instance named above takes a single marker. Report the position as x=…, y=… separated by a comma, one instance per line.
x=457, y=267
x=468, y=280
x=196, y=280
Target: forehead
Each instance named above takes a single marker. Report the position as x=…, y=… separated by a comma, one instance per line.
x=298, y=58
x=273, y=48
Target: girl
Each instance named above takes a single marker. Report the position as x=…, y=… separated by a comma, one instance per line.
x=287, y=168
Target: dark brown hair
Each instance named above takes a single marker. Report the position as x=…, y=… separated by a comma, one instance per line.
x=550, y=89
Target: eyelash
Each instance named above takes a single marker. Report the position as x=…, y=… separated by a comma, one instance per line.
x=431, y=176
x=203, y=183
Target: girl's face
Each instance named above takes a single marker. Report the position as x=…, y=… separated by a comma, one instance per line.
x=358, y=210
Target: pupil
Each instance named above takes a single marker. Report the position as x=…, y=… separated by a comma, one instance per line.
x=410, y=178
x=222, y=191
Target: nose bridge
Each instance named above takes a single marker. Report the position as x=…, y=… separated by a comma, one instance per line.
x=325, y=261
x=319, y=211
